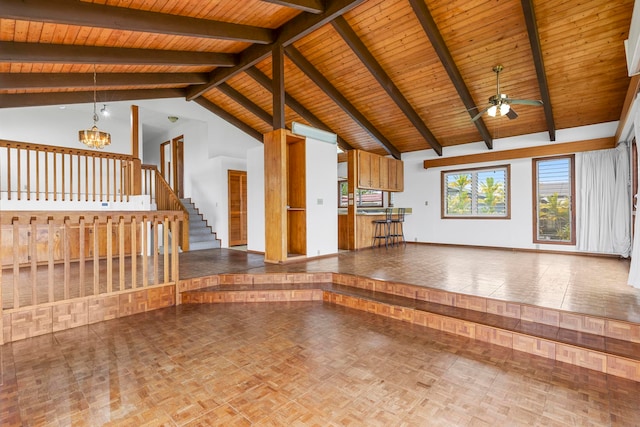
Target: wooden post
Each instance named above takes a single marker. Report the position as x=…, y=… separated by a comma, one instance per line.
x=352, y=167
x=275, y=186
x=135, y=173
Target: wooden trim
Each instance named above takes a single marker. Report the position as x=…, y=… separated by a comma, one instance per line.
x=507, y=191
x=632, y=92
x=534, y=195
x=135, y=134
x=519, y=153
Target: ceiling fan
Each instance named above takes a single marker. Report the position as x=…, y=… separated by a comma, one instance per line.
x=500, y=103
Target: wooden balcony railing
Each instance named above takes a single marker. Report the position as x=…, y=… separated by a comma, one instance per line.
x=154, y=185
x=41, y=172
x=52, y=257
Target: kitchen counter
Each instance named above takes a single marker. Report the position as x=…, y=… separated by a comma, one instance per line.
x=373, y=211
x=364, y=225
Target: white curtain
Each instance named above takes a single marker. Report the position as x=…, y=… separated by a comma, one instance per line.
x=603, y=208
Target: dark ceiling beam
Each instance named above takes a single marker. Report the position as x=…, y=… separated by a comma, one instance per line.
x=71, y=54
x=85, y=14
x=290, y=32
x=65, y=98
x=323, y=83
x=536, y=51
x=296, y=106
x=431, y=29
x=246, y=103
x=277, y=91
x=205, y=103
x=71, y=80
x=311, y=6
x=351, y=38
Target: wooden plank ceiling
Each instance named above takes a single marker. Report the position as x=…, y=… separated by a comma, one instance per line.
x=388, y=76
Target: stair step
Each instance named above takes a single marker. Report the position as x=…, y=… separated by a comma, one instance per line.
x=201, y=236
x=605, y=352
x=200, y=231
x=196, y=246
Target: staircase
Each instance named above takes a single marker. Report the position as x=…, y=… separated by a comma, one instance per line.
x=200, y=234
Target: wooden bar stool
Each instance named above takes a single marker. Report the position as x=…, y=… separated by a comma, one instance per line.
x=382, y=229
x=396, y=227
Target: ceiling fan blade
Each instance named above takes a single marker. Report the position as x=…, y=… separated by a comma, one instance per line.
x=477, y=116
x=512, y=114
x=524, y=101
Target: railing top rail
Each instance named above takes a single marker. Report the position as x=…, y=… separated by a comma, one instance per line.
x=43, y=217
x=149, y=167
x=62, y=150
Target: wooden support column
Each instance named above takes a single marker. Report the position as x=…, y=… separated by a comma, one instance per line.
x=275, y=186
x=135, y=175
x=352, y=167
x=277, y=63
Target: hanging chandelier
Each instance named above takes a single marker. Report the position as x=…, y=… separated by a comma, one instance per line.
x=94, y=138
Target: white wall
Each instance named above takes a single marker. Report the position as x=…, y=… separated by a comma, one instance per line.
x=211, y=148
x=422, y=193
x=322, y=198
x=255, y=199
x=59, y=127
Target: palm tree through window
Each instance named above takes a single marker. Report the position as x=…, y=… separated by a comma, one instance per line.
x=553, y=194
x=476, y=193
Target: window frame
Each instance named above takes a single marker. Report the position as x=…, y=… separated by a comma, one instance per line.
x=572, y=202
x=475, y=171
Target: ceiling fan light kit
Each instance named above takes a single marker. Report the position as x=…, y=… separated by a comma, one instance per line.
x=500, y=103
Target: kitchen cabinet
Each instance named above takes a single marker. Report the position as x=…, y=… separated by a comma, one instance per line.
x=380, y=173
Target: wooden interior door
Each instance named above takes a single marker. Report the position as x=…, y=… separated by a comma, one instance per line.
x=165, y=161
x=177, y=154
x=237, y=182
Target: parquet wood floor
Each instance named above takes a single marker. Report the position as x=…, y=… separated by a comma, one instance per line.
x=315, y=364
x=577, y=283
x=293, y=364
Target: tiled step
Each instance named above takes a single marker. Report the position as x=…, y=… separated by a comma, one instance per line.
x=606, y=345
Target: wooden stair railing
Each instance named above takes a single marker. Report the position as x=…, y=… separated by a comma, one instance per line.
x=44, y=172
x=154, y=185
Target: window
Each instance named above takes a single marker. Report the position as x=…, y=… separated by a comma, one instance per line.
x=476, y=193
x=364, y=197
x=553, y=189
